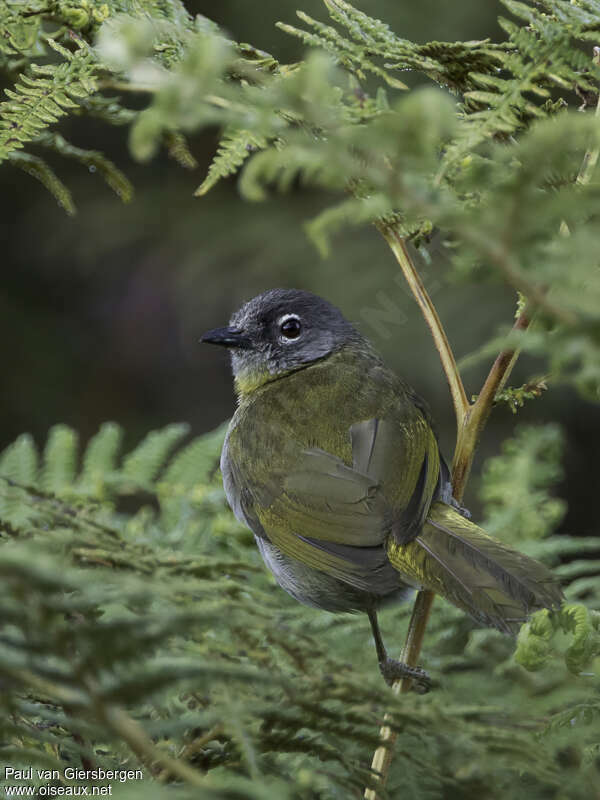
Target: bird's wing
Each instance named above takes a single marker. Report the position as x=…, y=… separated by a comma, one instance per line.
x=331, y=516
x=404, y=459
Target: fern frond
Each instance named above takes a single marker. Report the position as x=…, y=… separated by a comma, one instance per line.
x=19, y=460
x=142, y=464
x=94, y=160
x=59, y=463
x=149, y=465
x=234, y=148
x=100, y=459
x=541, y=57
x=582, y=713
x=516, y=485
x=196, y=462
x=349, y=212
x=41, y=99
x=185, y=480
x=18, y=463
x=178, y=149
x=501, y=84
x=448, y=63
x=555, y=548
x=19, y=34
x=350, y=55
x=39, y=169
x=516, y=396
x=105, y=109
x=258, y=59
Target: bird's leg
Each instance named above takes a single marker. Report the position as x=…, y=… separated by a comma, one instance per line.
x=447, y=497
x=391, y=669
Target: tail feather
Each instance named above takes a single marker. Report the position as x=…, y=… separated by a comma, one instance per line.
x=495, y=584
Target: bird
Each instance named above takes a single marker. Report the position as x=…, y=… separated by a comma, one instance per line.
x=333, y=462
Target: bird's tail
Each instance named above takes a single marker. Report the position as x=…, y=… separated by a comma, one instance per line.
x=495, y=584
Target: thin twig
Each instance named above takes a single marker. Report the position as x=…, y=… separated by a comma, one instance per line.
x=382, y=758
x=125, y=86
x=457, y=390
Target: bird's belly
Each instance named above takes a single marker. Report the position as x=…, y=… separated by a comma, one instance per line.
x=315, y=588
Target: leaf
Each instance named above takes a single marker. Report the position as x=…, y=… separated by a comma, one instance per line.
x=100, y=458
x=195, y=462
x=235, y=147
x=143, y=463
x=39, y=169
x=59, y=462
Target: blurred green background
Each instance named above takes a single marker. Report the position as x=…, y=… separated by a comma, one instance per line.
x=100, y=314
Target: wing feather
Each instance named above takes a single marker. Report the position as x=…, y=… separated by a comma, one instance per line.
x=335, y=516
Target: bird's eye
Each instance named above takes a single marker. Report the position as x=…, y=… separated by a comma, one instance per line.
x=290, y=327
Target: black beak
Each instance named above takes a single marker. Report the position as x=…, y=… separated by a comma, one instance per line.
x=227, y=337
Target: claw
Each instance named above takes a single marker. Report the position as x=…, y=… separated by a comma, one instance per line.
x=464, y=512
x=393, y=670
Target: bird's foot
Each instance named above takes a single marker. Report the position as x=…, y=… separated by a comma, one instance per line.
x=447, y=497
x=464, y=512
x=393, y=670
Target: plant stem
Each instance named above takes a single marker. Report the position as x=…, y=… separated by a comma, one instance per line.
x=125, y=86
x=457, y=390
x=471, y=420
x=382, y=758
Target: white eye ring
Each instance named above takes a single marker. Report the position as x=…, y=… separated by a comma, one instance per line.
x=282, y=321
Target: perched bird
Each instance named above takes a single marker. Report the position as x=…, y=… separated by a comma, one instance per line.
x=331, y=460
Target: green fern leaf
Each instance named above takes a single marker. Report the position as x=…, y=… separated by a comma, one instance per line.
x=577, y=569
x=99, y=459
x=194, y=464
x=19, y=463
x=39, y=169
x=92, y=159
x=143, y=464
x=516, y=484
x=234, y=148
x=59, y=463
x=349, y=212
x=19, y=34
x=40, y=100
x=349, y=55
x=178, y=149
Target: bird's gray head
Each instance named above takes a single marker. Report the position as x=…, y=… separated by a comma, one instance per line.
x=280, y=331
